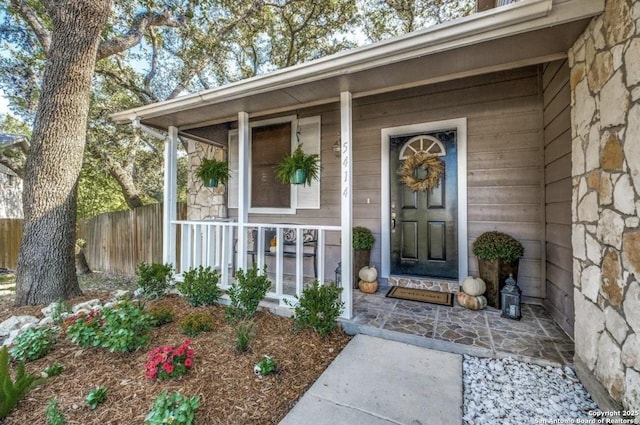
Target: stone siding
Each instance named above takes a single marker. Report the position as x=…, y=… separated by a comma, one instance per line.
x=10, y=194
x=204, y=202
x=605, y=97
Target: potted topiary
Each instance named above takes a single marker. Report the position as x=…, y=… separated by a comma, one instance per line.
x=212, y=172
x=363, y=241
x=298, y=168
x=498, y=255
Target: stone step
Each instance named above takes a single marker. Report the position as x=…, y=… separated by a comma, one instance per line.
x=418, y=282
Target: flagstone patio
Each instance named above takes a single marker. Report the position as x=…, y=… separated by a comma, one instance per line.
x=536, y=337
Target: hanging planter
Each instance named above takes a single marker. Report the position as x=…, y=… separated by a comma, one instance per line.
x=212, y=172
x=299, y=168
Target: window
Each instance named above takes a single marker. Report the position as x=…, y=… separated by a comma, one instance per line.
x=270, y=141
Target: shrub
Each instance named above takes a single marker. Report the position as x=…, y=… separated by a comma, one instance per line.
x=12, y=391
x=53, y=370
x=494, y=245
x=84, y=328
x=362, y=238
x=194, y=324
x=246, y=293
x=200, y=286
x=265, y=367
x=318, y=307
x=154, y=279
x=173, y=409
x=244, y=332
x=161, y=315
x=54, y=415
x=96, y=396
x=124, y=327
x=166, y=362
x=34, y=344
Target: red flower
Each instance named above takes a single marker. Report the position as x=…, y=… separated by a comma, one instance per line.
x=168, y=367
x=188, y=363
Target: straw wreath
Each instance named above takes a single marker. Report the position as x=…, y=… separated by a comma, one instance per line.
x=432, y=165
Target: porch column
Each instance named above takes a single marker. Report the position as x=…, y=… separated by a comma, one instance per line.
x=243, y=186
x=170, y=196
x=346, y=216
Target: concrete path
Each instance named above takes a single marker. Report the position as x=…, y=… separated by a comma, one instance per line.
x=380, y=382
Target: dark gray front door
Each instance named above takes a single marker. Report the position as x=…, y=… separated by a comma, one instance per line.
x=424, y=237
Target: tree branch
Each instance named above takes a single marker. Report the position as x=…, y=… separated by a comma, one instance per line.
x=29, y=15
x=141, y=22
x=154, y=61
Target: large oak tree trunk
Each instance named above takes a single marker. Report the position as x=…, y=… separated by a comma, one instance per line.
x=46, y=265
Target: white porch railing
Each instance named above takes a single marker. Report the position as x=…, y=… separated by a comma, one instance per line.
x=213, y=243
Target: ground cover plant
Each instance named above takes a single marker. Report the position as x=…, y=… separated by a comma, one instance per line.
x=224, y=381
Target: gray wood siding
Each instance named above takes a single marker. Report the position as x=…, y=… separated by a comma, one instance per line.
x=557, y=172
x=505, y=159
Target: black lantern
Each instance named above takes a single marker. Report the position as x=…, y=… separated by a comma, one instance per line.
x=339, y=275
x=510, y=298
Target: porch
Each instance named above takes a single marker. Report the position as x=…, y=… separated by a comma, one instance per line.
x=535, y=338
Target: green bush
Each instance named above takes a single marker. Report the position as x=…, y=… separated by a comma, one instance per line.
x=362, y=238
x=161, y=315
x=244, y=332
x=154, y=279
x=96, y=396
x=33, y=344
x=173, y=409
x=318, y=307
x=200, y=286
x=12, y=391
x=246, y=293
x=124, y=327
x=494, y=245
x=195, y=324
x=54, y=415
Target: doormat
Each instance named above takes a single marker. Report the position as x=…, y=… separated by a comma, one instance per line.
x=421, y=295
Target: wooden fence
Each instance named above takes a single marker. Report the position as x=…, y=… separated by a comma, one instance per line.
x=10, y=235
x=118, y=241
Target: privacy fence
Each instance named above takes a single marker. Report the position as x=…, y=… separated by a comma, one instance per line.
x=118, y=241
x=10, y=235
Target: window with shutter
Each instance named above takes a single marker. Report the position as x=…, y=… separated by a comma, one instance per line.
x=270, y=141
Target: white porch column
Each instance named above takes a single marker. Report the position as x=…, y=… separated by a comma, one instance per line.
x=346, y=215
x=170, y=196
x=243, y=186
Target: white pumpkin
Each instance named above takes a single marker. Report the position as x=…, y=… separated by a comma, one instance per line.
x=471, y=302
x=368, y=274
x=474, y=286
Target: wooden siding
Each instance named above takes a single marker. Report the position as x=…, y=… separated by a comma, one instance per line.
x=505, y=159
x=557, y=173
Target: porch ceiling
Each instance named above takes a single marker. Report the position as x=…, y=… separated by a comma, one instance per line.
x=433, y=55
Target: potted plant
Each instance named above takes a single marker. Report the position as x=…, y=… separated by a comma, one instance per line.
x=212, y=172
x=498, y=255
x=298, y=168
x=363, y=241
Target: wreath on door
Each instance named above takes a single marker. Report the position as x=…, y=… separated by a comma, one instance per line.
x=430, y=163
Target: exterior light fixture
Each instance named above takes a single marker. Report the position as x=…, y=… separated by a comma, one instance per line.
x=336, y=149
x=511, y=295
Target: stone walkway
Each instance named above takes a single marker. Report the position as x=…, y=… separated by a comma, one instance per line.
x=536, y=337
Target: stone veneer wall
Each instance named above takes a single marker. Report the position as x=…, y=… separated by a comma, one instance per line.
x=204, y=202
x=605, y=97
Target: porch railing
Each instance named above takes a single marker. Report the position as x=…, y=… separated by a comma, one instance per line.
x=214, y=243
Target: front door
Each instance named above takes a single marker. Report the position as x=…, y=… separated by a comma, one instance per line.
x=424, y=239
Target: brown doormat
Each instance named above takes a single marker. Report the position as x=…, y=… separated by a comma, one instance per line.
x=421, y=295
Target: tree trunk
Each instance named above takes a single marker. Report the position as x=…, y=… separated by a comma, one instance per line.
x=46, y=264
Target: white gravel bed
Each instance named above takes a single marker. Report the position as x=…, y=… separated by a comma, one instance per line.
x=510, y=392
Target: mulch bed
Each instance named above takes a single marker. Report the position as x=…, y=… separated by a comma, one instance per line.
x=229, y=391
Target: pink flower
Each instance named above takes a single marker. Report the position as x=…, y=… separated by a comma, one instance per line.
x=188, y=363
x=168, y=367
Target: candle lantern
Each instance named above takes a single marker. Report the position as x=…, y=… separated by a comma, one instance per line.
x=510, y=298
